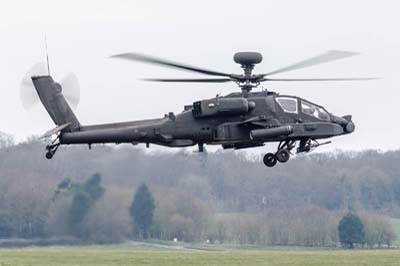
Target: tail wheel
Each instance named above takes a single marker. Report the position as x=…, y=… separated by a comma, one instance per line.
x=270, y=159
x=49, y=155
x=52, y=148
x=282, y=155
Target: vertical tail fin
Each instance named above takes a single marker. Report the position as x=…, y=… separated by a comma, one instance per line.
x=50, y=94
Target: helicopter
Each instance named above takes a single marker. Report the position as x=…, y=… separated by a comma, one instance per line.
x=239, y=120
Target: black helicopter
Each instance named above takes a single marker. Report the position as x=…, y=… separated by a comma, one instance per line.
x=238, y=120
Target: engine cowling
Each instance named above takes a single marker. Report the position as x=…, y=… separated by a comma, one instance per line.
x=222, y=106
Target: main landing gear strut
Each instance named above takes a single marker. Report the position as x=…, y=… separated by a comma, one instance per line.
x=282, y=155
x=285, y=147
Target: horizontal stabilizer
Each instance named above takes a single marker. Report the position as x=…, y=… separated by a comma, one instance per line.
x=54, y=131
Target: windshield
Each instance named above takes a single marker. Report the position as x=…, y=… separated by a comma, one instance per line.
x=288, y=104
x=314, y=110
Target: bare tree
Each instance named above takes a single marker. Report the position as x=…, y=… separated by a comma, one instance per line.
x=378, y=229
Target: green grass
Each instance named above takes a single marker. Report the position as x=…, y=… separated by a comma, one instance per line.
x=102, y=256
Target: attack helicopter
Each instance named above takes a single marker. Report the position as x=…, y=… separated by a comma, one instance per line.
x=239, y=120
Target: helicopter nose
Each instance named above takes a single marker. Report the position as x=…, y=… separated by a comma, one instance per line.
x=349, y=127
x=346, y=122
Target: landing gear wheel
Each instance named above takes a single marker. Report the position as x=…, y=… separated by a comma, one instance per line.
x=49, y=155
x=269, y=159
x=282, y=155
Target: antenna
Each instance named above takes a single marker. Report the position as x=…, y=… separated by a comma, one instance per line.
x=47, y=56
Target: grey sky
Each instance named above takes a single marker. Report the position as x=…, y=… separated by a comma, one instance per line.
x=81, y=34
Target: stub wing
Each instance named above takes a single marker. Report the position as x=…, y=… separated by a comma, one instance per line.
x=256, y=121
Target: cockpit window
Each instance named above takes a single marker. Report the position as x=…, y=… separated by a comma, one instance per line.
x=313, y=110
x=289, y=105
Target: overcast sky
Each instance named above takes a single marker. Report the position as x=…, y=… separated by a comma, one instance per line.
x=82, y=34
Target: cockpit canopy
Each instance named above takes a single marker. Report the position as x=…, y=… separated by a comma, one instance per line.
x=314, y=110
x=288, y=104
x=296, y=105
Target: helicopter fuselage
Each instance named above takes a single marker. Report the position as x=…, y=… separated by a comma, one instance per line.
x=232, y=121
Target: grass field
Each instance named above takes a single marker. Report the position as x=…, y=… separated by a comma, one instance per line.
x=170, y=254
x=101, y=256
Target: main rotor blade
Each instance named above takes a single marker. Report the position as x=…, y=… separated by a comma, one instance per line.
x=163, y=62
x=316, y=60
x=319, y=79
x=190, y=80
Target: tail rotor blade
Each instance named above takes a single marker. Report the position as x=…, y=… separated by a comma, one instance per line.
x=28, y=95
x=71, y=89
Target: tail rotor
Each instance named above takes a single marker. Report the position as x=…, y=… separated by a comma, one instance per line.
x=29, y=97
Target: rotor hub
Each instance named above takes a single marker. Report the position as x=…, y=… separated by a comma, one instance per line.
x=247, y=61
x=247, y=58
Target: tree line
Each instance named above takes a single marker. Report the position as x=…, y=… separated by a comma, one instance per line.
x=221, y=197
